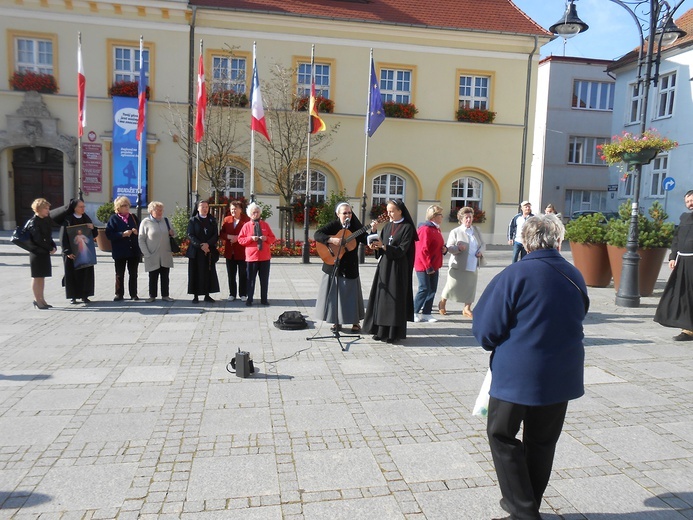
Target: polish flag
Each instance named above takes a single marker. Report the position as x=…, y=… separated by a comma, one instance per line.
x=201, y=102
x=81, y=93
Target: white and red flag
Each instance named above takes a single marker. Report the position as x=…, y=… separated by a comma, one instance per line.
x=257, y=119
x=201, y=102
x=81, y=91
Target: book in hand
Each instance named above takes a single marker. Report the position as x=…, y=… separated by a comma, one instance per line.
x=372, y=238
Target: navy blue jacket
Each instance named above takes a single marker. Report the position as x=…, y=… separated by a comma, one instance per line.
x=530, y=316
x=122, y=247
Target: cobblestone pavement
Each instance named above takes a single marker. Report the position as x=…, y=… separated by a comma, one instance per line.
x=126, y=410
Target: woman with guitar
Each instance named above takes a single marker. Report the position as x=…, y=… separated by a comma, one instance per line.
x=340, y=300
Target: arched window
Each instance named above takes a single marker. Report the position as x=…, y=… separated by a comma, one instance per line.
x=466, y=191
x=318, y=186
x=387, y=186
x=234, y=183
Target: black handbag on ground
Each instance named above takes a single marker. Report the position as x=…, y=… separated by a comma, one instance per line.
x=175, y=248
x=21, y=237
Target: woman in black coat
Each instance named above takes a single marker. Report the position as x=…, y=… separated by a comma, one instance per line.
x=202, y=253
x=122, y=230
x=391, y=301
x=40, y=228
x=79, y=283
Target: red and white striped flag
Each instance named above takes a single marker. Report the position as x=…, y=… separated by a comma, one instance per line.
x=81, y=91
x=142, y=96
x=201, y=102
x=257, y=119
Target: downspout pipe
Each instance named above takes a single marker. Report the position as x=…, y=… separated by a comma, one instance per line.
x=525, y=125
x=191, y=98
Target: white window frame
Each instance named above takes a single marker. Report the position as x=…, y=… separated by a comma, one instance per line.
x=666, y=89
x=396, y=84
x=323, y=72
x=318, y=186
x=234, y=183
x=132, y=72
x=658, y=172
x=583, y=150
x=39, y=58
x=634, y=103
x=593, y=95
x=388, y=186
x=586, y=200
x=475, y=92
x=229, y=73
x=466, y=191
x=625, y=186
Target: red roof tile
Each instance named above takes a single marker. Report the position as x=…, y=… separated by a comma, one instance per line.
x=479, y=15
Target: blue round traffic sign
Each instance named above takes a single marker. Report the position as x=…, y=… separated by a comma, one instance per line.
x=668, y=183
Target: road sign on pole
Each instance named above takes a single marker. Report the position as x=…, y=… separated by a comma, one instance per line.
x=668, y=183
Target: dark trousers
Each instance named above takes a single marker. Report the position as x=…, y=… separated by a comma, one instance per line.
x=518, y=251
x=132, y=264
x=428, y=284
x=258, y=268
x=523, y=466
x=233, y=266
x=154, y=281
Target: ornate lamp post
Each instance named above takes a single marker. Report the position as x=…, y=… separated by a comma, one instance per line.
x=660, y=27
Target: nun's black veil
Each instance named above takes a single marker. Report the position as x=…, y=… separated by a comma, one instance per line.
x=405, y=213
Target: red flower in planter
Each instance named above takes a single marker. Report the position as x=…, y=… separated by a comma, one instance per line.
x=28, y=81
x=126, y=89
x=228, y=98
x=325, y=105
x=475, y=115
x=400, y=110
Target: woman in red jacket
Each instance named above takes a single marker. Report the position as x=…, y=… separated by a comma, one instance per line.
x=257, y=237
x=430, y=249
x=235, y=252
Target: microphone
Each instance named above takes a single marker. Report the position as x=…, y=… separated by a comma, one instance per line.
x=347, y=222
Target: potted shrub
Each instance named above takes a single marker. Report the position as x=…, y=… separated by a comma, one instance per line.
x=654, y=238
x=475, y=115
x=325, y=105
x=635, y=149
x=103, y=213
x=28, y=81
x=399, y=110
x=587, y=237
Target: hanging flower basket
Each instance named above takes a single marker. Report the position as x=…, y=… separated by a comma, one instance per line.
x=30, y=81
x=228, y=98
x=475, y=115
x=400, y=110
x=126, y=89
x=325, y=105
x=635, y=149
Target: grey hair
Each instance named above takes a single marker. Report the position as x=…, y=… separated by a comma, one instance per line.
x=154, y=205
x=542, y=232
x=251, y=207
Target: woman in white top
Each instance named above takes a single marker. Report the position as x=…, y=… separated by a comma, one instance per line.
x=466, y=248
x=155, y=245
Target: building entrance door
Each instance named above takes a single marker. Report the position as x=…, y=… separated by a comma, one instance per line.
x=38, y=172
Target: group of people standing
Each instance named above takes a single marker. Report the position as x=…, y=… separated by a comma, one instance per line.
x=247, y=240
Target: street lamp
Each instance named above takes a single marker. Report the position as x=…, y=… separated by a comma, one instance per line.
x=660, y=27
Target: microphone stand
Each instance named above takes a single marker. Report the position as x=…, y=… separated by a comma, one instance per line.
x=334, y=281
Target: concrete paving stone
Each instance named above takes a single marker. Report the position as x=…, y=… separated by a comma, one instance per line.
x=337, y=469
x=380, y=508
x=237, y=393
x=22, y=431
x=615, y=494
x=318, y=417
x=595, y=375
x=378, y=386
x=570, y=453
x=133, y=397
x=683, y=430
x=461, y=504
x=233, y=477
x=148, y=374
x=30, y=355
x=297, y=390
x=628, y=395
x=235, y=421
x=663, y=370
x=397, y=412
x=75, y=376
x=637, y=444
x=434, y=461
x=82, y=487
x=364, y=366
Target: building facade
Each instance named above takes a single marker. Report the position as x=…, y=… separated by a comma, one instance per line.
x=439, y=56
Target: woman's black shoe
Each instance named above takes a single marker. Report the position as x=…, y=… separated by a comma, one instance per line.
x=118, y=299
x=195, y=300
x=208, y=298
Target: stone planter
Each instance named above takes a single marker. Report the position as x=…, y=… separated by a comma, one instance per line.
x=648, y=269
x=592, y=261
x=103, y=241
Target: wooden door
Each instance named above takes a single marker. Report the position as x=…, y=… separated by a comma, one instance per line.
x=33, y=179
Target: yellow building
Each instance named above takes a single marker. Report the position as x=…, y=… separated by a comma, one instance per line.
x=439, y=55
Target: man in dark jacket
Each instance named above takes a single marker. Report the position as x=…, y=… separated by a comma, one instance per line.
x=537, y=359
x=515, y=230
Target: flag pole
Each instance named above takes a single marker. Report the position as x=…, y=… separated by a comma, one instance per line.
x=306, y=203
x=197, y=154
x=364, y=200
x=139, y=143
x=81, y=92
x=252, y=141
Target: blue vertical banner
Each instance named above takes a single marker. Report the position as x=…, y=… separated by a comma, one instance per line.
x=125, y=116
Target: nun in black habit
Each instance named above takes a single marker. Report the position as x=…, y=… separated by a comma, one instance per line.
x=79, y=283
x=391, y=301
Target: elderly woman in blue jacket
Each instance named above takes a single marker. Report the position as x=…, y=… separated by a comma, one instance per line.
x=537, y=358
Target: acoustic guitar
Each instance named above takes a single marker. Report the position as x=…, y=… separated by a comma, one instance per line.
x=328, y=252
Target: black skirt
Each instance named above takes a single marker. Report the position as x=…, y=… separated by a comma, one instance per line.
x=40, y=265
x=675, y=309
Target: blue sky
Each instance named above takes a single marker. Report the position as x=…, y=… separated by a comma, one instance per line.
x=611, y=34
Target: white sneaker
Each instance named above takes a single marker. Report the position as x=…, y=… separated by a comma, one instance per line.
x=244, y=298
x=232, y=298
x=417, y=318
x=429, y=318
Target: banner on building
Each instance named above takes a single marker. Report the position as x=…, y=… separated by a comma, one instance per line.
x=126, y=172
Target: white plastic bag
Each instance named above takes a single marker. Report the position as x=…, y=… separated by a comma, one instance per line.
x=481, y=404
